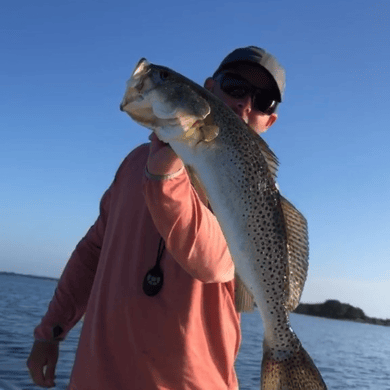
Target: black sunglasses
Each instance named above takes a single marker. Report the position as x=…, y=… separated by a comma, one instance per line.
x=237, y=87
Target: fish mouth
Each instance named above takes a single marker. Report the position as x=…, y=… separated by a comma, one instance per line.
x=136, y=84
x=141, y=69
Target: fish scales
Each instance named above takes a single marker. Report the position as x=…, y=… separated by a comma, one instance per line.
x=266, y=235
x=253, y=207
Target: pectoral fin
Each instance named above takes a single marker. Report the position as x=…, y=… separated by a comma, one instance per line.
x=209, y=132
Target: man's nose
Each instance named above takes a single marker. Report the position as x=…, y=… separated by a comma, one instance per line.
x=243, y=106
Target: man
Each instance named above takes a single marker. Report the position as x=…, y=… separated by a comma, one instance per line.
x=158, y=318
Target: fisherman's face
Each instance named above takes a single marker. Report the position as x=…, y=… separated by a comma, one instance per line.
x=243, y=107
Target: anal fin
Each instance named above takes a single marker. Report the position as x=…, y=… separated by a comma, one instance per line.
x=243, y=298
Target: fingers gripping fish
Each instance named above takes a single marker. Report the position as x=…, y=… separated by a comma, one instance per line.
x=266, y=235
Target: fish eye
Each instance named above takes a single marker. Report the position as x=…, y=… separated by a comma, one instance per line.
x=164, y=75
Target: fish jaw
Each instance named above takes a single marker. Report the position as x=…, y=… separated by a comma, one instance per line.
x=135, y=84
x=136, y=101
x=156, y=98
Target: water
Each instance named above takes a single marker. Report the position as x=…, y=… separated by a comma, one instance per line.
x=23, y=302
x=349, y=355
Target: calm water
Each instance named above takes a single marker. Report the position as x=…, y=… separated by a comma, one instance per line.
x=349, y=355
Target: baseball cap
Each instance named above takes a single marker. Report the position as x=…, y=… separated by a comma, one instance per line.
x=258, y=56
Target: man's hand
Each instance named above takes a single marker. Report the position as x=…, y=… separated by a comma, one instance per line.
x=162, y=159
x=42, y=362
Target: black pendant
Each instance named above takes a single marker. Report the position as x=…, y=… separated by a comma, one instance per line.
x=154, y=278
x=153, y=281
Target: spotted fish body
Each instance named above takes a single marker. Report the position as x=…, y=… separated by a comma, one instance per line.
x=266, y=235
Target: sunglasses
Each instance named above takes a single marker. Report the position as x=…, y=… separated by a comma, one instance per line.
x=239, y=88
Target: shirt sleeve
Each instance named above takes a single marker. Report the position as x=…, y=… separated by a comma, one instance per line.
x=191, y=232
x=74, y=287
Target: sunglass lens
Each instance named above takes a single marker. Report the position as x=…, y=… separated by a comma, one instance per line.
x=236, y=92
x=235, y=87
x=261, y=103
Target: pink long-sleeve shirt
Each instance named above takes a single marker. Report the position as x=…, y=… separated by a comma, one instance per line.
x=188, y=335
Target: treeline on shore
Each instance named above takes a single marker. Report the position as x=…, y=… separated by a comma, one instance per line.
x=334, y=309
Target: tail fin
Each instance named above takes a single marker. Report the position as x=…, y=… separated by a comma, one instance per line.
x=296, y=372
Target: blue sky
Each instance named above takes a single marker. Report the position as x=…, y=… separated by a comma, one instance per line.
x=62, y=76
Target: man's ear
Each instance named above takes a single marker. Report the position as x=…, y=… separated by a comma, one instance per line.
x=271, y=120
x=209, y=84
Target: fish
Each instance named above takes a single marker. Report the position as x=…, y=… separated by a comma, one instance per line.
x=266, y=235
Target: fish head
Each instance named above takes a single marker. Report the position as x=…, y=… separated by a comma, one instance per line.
x=166, y=102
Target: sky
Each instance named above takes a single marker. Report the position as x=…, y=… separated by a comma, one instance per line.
x=63, y=72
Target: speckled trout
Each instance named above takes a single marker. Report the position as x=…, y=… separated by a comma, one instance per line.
x=266, y=234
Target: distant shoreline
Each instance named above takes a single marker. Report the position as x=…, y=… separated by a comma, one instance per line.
x=336, y=310
x=332, y=309
x=28, y=276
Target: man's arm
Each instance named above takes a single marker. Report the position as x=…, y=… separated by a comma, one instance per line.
x=191, y=232
x=69, y=301
x=72, y=293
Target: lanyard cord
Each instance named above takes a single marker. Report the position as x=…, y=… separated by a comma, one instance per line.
x=161, y=247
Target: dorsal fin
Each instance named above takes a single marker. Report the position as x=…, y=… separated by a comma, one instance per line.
x=298, y=252
x=270, y=157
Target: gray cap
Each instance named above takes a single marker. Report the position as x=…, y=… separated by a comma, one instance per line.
x=256, y=55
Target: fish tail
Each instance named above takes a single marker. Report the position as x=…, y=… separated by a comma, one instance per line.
x=295, y=372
